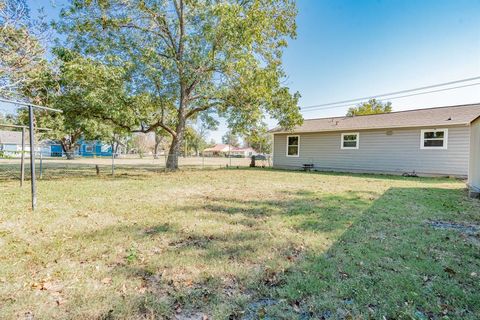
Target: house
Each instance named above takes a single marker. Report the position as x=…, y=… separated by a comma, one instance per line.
x=11, y=142
x=225, y=150
x=50, y=148
x=94, y=148
x=434, y=141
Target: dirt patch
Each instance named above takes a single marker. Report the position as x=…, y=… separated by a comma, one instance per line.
x=257, y=309
x=470, y=229
x=192, y=316
x=197, y=241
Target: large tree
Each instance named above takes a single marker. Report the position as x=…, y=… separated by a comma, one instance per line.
x=372, y=106
x=190, y=60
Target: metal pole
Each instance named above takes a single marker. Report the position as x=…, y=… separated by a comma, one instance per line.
x=32, y=158
x=113, y=162
x=41, y=165
x=229, y=149
x=203, y=160
x=22, y=161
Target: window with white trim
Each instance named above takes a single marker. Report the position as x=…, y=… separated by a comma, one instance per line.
x=293, y=146
x=89, y=148
x=434, y=139
x=350, y=140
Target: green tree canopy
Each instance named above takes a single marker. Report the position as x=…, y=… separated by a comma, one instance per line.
x=78, y=87
x=372, y=106
x=189, y=60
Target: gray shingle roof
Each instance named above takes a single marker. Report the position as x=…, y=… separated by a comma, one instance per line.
x=441, y=116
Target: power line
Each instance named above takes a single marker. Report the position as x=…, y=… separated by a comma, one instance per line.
x=398, y=97
x=392, y=93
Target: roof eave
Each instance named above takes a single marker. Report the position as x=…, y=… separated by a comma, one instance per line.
x=379, y=128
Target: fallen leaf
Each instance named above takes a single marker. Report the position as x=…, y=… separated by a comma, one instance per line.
x=107, y=280
x=449, y=270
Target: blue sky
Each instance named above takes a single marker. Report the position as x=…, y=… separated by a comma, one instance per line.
x=349, y=48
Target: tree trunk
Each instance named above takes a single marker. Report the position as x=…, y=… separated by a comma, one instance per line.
x=70, y=152
x=158, y=140
x=177, y=140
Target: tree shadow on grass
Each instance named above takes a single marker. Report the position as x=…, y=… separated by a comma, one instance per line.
x=303, y=210
x=247, y=246
x=384, y=260
x=390, y=264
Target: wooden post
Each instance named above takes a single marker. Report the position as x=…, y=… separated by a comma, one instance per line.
x=32, y=158
x=22, y=161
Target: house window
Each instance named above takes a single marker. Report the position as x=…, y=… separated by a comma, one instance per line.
x=434, y=139
x=350, y=140
x=89, y=148
x=293, y=145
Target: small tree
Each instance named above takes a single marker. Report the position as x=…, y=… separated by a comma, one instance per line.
x=143, y=143
x=372, y=106
x=230, y=138
x=196, y=139
x=260, y=140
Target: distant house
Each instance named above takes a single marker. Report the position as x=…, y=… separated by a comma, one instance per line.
x=225, y=150
x=435, y=141
x=11, y=142
x=94, y=148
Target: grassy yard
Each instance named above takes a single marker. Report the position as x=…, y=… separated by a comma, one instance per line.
x=238, y=244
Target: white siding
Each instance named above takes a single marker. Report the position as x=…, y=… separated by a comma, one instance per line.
x=379, y=152
x=474, y=166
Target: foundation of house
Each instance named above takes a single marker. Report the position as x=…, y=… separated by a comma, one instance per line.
x=474, y=193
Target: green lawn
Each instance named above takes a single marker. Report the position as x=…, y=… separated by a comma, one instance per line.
x=238, y=244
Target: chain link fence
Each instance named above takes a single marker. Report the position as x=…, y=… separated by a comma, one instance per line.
x=55, y=164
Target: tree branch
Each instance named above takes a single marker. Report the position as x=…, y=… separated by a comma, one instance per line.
x=202, y=108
